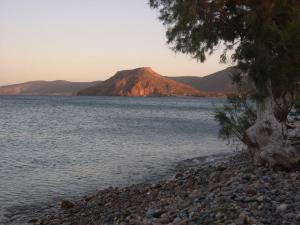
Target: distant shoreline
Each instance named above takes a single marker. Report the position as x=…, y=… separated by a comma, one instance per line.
x=135, y=82
x=221, y=97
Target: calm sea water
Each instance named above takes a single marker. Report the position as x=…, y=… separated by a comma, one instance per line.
x=61, y=147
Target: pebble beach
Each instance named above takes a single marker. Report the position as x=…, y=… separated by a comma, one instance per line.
x=224, y=190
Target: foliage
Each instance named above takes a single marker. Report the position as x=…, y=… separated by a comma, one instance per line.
x=264, y=36
x=238, y=114
x=235, y=118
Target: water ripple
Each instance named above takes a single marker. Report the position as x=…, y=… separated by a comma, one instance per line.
x=53, y=147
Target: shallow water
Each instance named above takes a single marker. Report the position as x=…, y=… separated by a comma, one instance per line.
x=60, y=147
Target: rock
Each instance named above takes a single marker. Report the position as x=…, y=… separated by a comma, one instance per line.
x=66, y=204
x=183, y=222
x=176, y=220
x=33, y=221
x=178, y=175
x=194, y=215
x=260, y=198
x=221, y=168
x=219, y=215
x=241, y=219
x=251, y=191
x=289, y=216
x=156, y=213
x=281, y=208
x=195, y=194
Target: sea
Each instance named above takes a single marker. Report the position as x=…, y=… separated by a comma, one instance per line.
x=54, y=148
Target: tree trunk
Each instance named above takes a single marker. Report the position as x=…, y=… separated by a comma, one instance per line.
x=270, y=142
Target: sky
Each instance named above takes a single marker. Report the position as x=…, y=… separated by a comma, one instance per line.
x=87, y=40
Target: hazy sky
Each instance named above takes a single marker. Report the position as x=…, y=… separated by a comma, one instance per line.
x=86, y=40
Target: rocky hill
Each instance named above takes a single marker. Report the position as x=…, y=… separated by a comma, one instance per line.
x=59, y=87
x=138, y=82
x=217, y=83
x=141, y=82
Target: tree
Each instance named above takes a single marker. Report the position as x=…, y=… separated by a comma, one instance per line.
x=264, y=37
x=238, y=114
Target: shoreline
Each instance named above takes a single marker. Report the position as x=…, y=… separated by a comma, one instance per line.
x=29, y=214
x=221, y=189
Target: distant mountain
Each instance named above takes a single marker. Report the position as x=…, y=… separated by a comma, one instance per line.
x=218, y=83
x=141, y=82
x=138, y=82
x=58, y=87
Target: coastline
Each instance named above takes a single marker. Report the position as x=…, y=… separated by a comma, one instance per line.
x=176, y=128
x=220, y=189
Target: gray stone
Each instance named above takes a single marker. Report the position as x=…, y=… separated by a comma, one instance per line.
x=156, y=213
x=241, y=219
x=281, y=208
x=66, y=204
